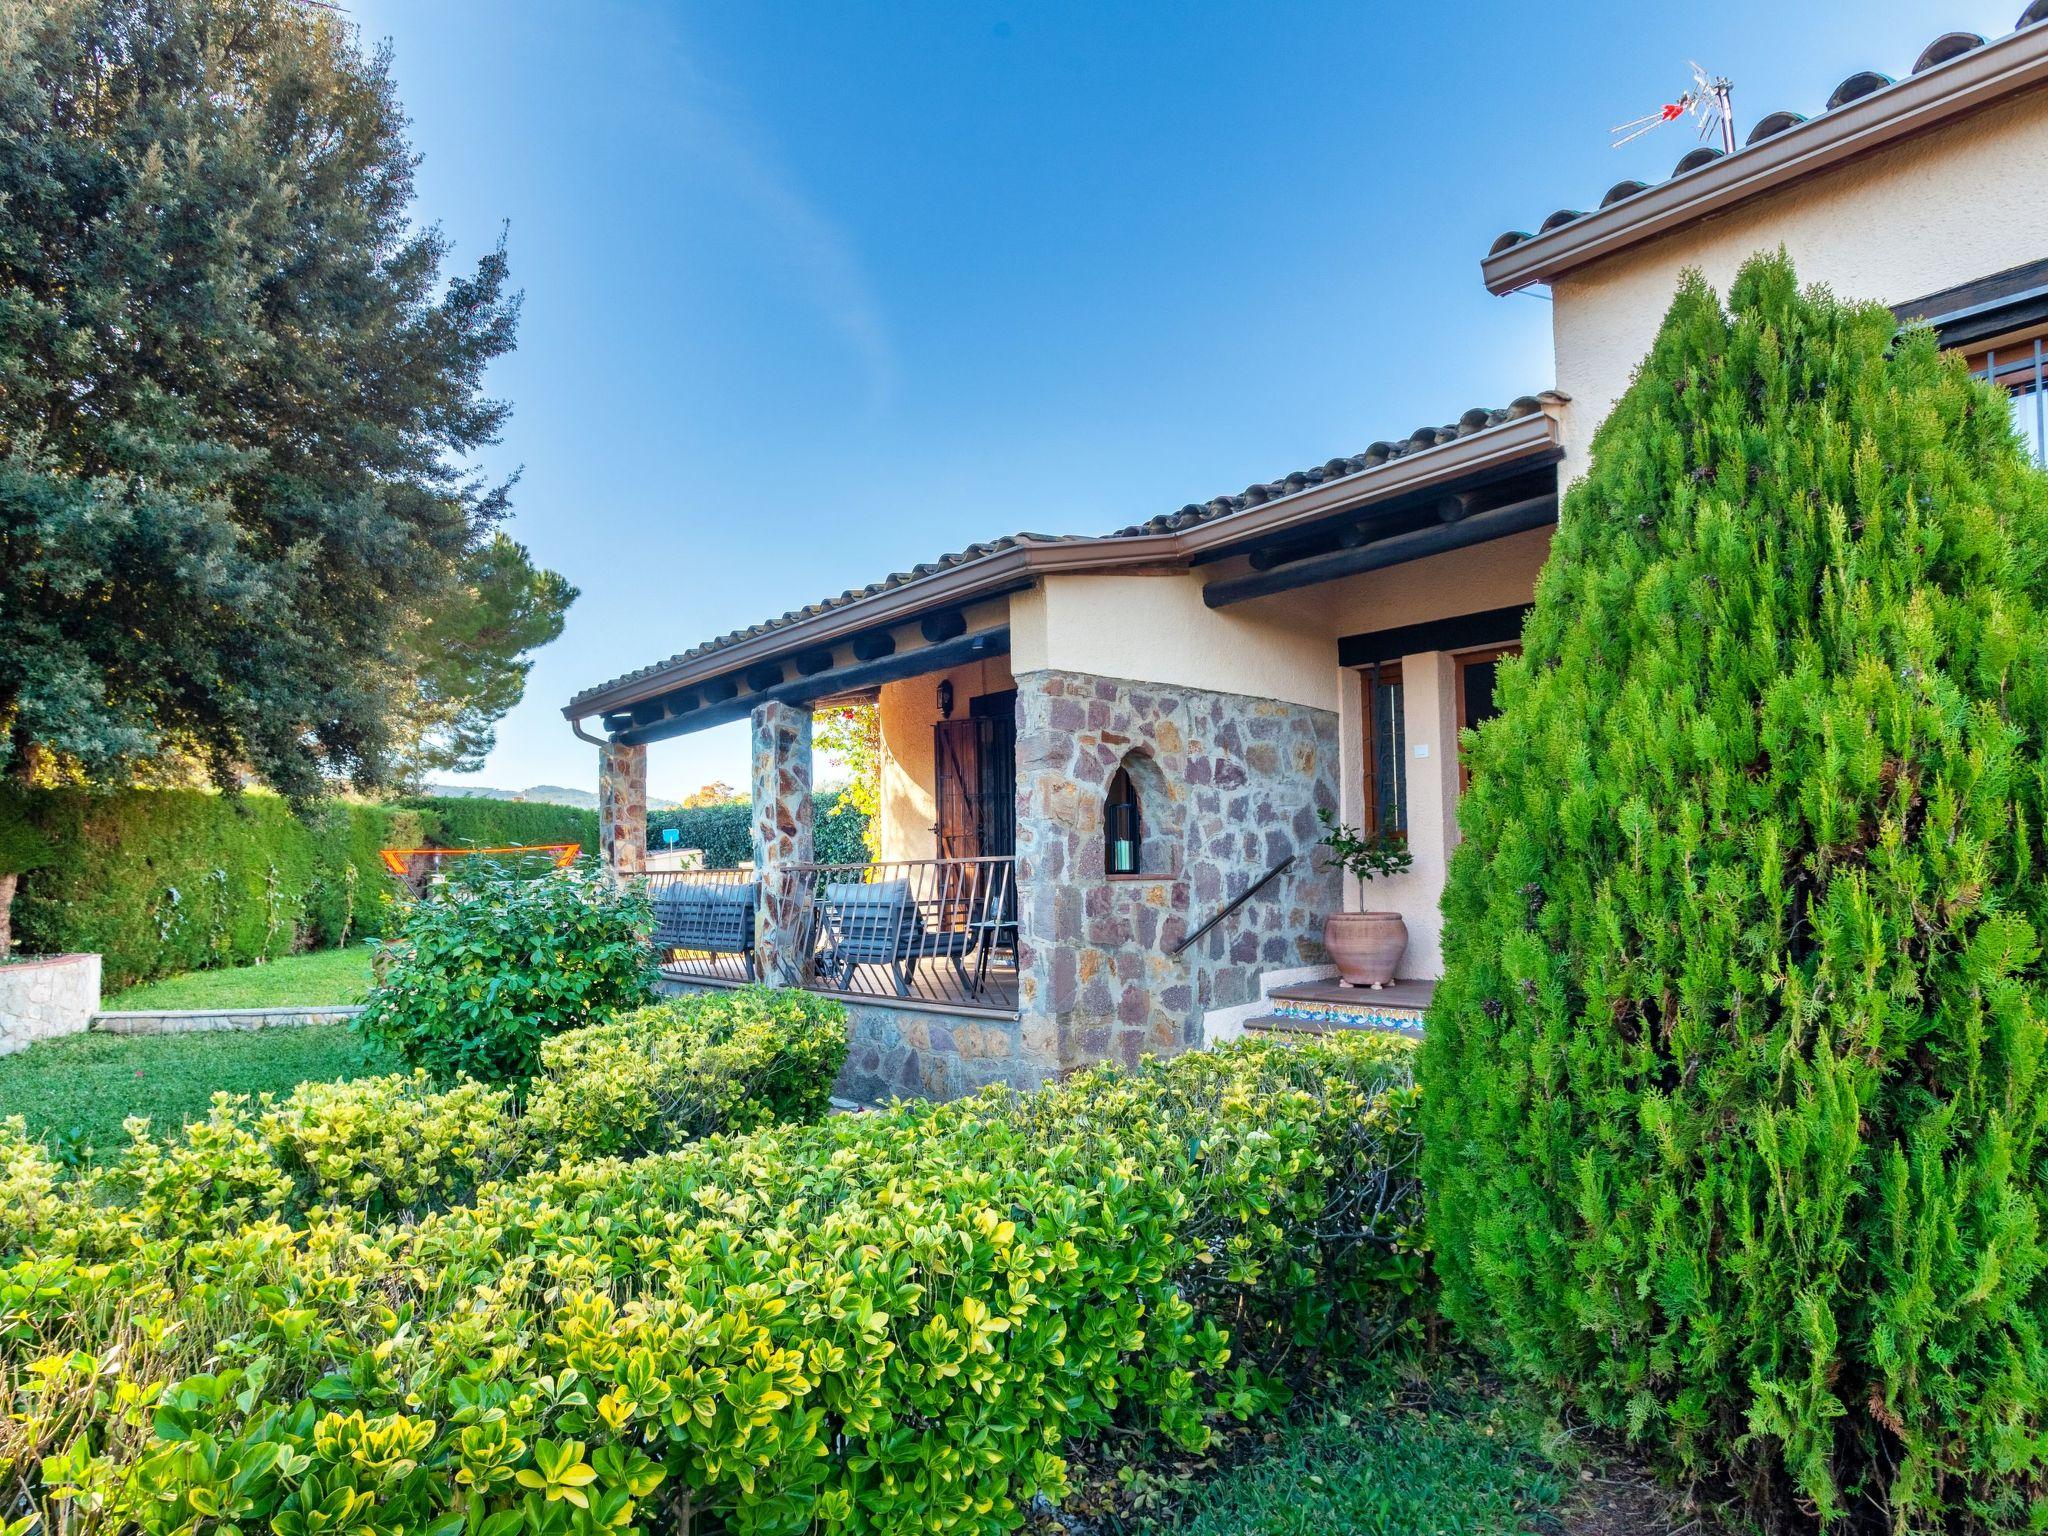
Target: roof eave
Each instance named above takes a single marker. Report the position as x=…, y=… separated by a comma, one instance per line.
x=1966, y=84
x=1008, y=570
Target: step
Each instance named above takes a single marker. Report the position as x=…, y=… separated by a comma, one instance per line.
x=1285, y=1024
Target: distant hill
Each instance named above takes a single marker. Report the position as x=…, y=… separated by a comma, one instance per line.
x=545, y=794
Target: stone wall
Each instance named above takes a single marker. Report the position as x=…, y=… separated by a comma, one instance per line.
x=899, y=1052
x=1236, y=787
x=784, y=824
x=622, y=808
x=44, y=996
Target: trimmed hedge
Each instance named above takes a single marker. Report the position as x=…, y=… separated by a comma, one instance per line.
x=725, y=831
x=887, y=1322
x=1737, y=1117
x=160, y=882
x=385, y=1147
x=464, y=821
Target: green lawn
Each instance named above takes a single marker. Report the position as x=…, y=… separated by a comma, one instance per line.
x=1452, y=1457
x=321, y=976
x=84, y=1086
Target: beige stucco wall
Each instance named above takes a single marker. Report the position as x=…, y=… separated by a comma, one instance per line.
x=1155, y=629
x=1951, y=206
x=906, y=713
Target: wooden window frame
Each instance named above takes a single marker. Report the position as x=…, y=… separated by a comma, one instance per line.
x=1370, y=678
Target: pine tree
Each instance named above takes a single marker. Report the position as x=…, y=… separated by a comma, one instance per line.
x=1734, y=1084
x=236, y=394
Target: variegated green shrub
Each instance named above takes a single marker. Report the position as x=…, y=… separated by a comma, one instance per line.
x=380, y=1147
x=891, y=1322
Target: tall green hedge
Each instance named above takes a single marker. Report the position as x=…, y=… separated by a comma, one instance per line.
x=1734, y=1086
x=725, y=831
x=165, y=881
x=460, y=821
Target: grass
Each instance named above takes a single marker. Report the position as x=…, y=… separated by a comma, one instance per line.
x=78, y=1090
x=320, y=976
x=1452, y=1456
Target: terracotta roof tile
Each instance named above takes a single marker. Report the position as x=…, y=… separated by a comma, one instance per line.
x=1950, y=45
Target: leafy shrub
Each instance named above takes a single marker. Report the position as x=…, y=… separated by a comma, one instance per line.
x=887, y=1322
x=721, y=1061
x=495, y=960
x=1735, y=1091
x=383, y=1147
x=725, y=830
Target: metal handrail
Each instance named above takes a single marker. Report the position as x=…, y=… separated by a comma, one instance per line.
x=1237, y=901
x=936, y=931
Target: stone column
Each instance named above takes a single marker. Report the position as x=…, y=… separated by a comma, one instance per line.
x=622, y=809
x=782, y=837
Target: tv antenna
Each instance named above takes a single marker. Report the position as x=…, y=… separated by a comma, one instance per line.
x=1706, y=102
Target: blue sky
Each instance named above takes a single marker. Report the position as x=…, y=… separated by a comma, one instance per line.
x=816, y=291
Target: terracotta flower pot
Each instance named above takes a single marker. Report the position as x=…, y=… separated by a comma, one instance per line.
x=1366, y=946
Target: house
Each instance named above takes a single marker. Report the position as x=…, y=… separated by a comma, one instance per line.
x=1103, y=756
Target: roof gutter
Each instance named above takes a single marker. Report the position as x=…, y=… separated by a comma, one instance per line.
x=1533, y=437
x=1966, y=84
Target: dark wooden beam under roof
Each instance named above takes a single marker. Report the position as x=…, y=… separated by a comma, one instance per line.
x=1396, y=549
x=851, y=678
x=1494, y=626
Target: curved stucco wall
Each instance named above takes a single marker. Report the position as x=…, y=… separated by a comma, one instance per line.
x=1946, y=208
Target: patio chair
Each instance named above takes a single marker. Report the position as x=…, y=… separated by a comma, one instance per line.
x=708, y=919
x=881, y=924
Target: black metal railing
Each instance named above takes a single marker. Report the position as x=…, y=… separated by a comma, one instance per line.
x=940, y=931
x=704, y=923
x=1232, y=905
x=930, y=930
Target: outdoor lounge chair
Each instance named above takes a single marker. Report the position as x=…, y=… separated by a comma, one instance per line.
x=707, y=919
x=880, y=924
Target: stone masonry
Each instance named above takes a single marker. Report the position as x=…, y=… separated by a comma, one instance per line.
x=622, y=809
x=44, y=996
x=782, y=836
x=1228, y=786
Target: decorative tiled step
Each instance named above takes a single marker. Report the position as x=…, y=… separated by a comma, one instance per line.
x=1323, y=1007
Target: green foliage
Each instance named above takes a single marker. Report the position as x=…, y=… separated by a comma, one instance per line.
x=888, y=1322
x=1363, y=858
x=678, y=1071
x=396, y=1146
x=1453, y=1457
x=76, y=1092
x=465, y=821
x=236, y=394
x=160, y=882
x=725, y=830
x=318, y=978
x=496, y=959
x=853, y=734
x=1735, y=1079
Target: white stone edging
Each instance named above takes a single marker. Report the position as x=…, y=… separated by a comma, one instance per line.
x=180, y=1021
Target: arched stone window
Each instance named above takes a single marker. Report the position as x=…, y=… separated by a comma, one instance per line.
x=1135, y=811
x=1123, y=826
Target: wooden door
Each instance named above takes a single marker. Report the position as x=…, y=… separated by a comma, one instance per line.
x=956, y=750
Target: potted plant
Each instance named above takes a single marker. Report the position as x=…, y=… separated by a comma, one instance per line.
x=1366, y=946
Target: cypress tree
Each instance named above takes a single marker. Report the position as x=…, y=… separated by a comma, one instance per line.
x=1734, y=1094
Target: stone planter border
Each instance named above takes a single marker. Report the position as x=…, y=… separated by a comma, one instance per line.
x=158, y=1021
